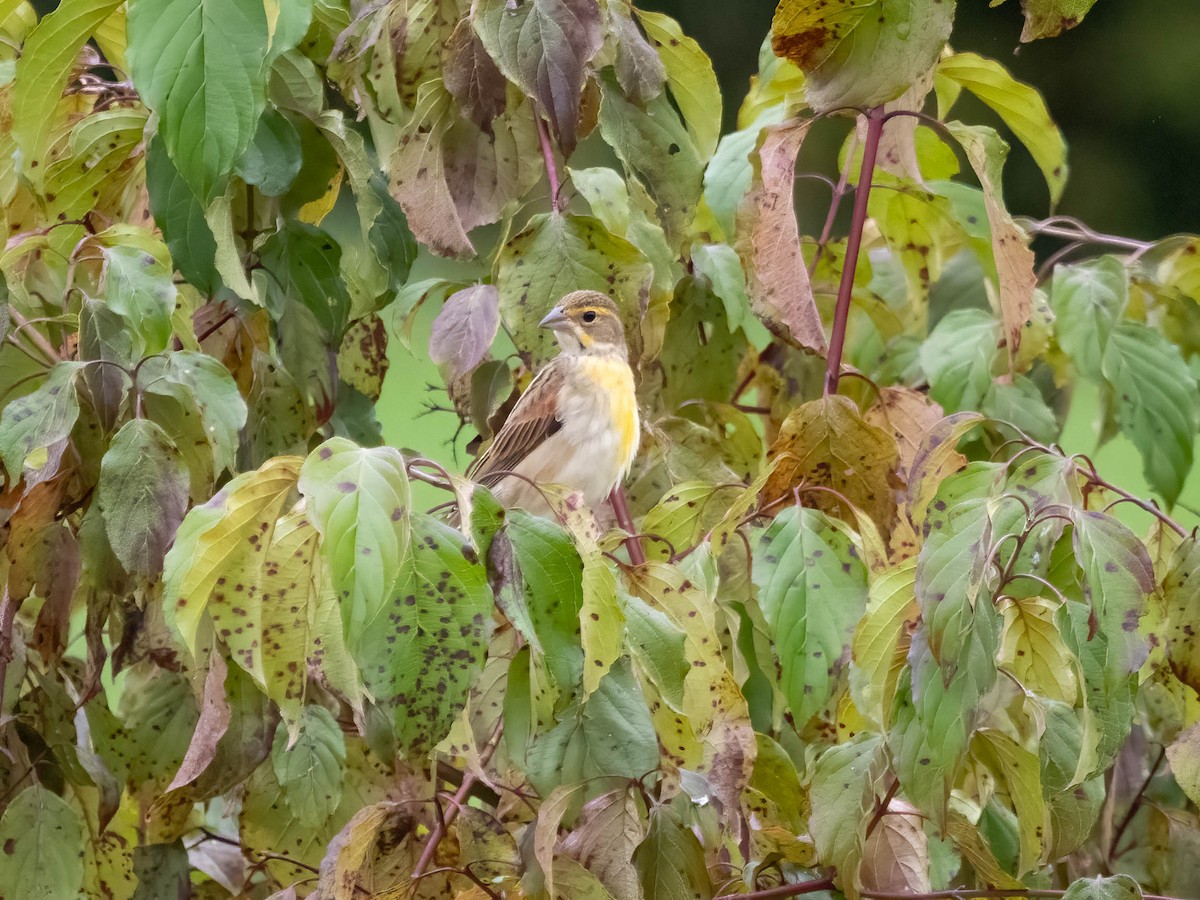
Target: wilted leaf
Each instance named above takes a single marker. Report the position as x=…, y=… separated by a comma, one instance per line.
x=40, y=421
x=143, y=495
x=471, y=76
x=543, y=47
x=1181, y=603
x=604, y=839
x=896, y=853
x=769, y=242
x=1010, y=245
x=215, y=715
x=828, y=443
x=860, y=53
x=362, y=359
x=1050, y=18
x=640, y=71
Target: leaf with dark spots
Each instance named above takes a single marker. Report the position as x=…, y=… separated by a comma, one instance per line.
x=464, y=329
x=39, y=420
x=363, y=358
x=1181, y=598
x=544, y=46
x=811, y=603
x=640, y=71
x=305, y=262
x=422, y=649
x=143, y=495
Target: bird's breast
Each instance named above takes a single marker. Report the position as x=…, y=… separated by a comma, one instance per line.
x=598, y=411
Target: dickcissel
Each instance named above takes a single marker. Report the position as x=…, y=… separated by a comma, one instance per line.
x=577, y=423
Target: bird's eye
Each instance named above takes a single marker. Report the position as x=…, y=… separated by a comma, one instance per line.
x=589, y=317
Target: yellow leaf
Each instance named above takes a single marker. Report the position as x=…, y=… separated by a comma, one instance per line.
x=314, y=211
x=881, y=640
x=1032, y=649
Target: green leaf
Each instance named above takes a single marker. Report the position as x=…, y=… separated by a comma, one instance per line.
x=690, y=77
x=1020, y=106
x=199, y=381
x=41, y=835
x=812, y=589
x=159, y=713
x=306, y=264
x=421, y=651
x=1116, y=887
x=654, y=145
x=162, y=870
x=1158, y=403
x=543, y=47
x=838, y=794
x=41, y=74
x=610, y=733
x=1021, y=404
x=360, y=501
x=700, y=352
x=180, y=215
x=310, y=769
x=34, y=428
x=138, y=286
x=200, y=67
x=958, y=358
x=1088, y=300
x=670, y=861
x=656, y=645
x=860, y=53
x=880, y=645
x=719, y=263
x=555, y=255
x=273, y=159
x=1017, y=770
x=143, y=495
x=1117, y=576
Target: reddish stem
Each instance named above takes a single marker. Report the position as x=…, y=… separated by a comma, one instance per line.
x=621, y=510
x=548, y=156
x=456, y=803
x=837, y=339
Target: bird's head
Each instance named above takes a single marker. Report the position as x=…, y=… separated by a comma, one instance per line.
x=587, y=322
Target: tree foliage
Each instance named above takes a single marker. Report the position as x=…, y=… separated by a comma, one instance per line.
x=875, y=631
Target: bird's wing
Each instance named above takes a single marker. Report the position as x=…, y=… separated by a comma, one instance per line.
x=533, y=419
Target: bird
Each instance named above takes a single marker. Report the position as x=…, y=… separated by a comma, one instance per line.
x=577, y=423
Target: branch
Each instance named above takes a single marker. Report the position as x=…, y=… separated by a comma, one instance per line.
x=787, y=890
x=621, y=510
x=548, y=156
x=1136, y=804
x=460, y=797
x=837, y=340
x=35, y=336
x=8, y=612
x=280, y=857
x=1074, y=230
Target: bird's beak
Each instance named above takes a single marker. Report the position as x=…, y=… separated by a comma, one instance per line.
x=555, y=319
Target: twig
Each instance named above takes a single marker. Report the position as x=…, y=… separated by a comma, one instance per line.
x=881, y=807
x=835, y=202
x=1074, y=230
x=460, y=796
x=621, y=510
x=837, y=339
x=8, y=612
x=266, y=855
x=785, y=890
x=548, y=156
x=965, y=894
x=1136, y=804
x=35, y=336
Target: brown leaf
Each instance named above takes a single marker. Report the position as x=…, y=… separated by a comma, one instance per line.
x=1010, y=245
x=32, y=537
x=487, y=171
x=908, y=415
x=464, y=329
x=640, y=70
x=896, y=855
x=472, y=78
x=769, y=242
x=214, y=719
x=375, y=852
x=828, y=443
x=936, y=459
x=363, y=358
x=897, y=145
x=544, y=46
x=604, y=840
